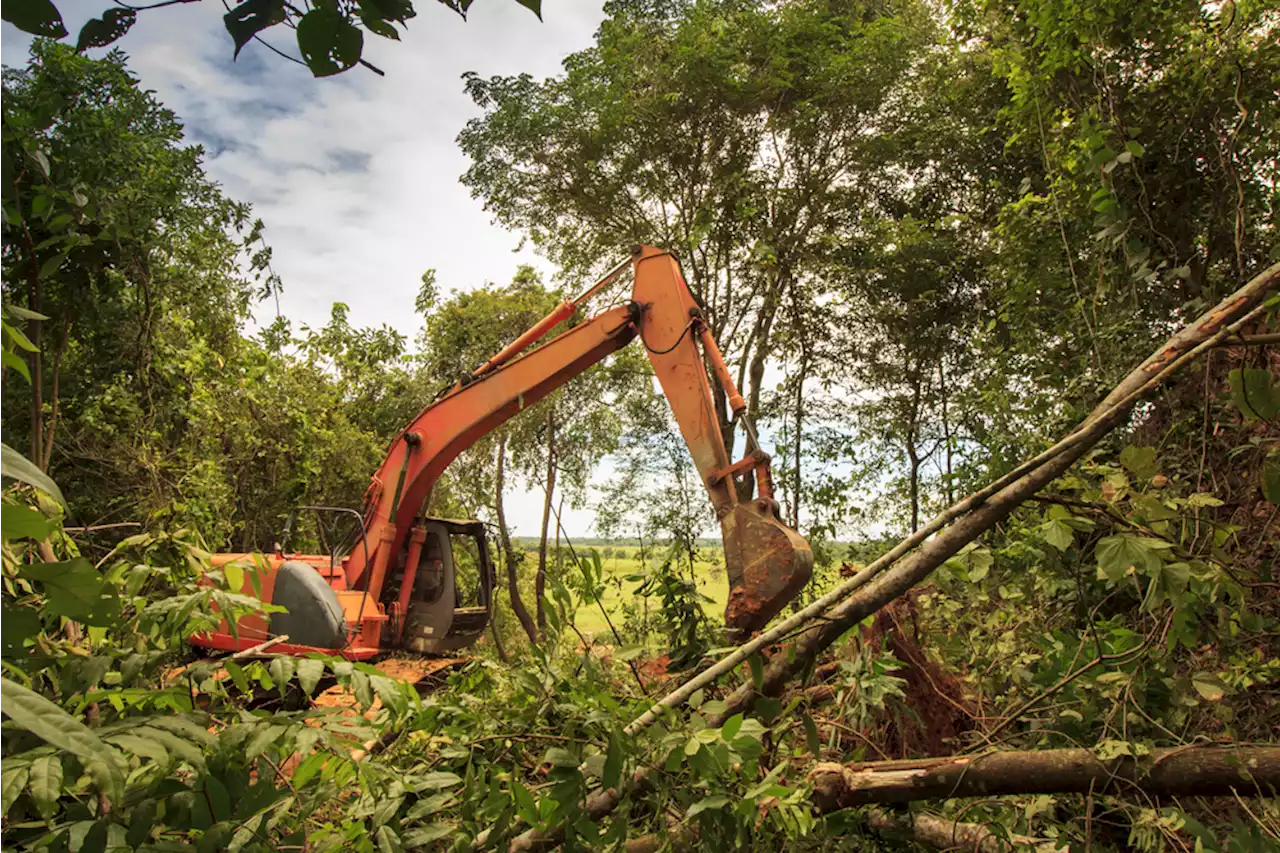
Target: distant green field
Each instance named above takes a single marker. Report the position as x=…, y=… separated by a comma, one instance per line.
x=591, y=621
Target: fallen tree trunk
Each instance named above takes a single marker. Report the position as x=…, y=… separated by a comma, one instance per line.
x=883, y=581
x=943, y=834
x=1196, y=770
x=920, y=827
x=1212, y=327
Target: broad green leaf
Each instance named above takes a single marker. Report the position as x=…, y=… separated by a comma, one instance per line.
x=1271, y=480
x=100, y=32
x=237, y=675
x=23, y=522
x=72, y=588
x=17, y=363
x=13, y=464
x=525, y=805
x=1058, y=534
x=45, y=720
x=139, y=744
x=438, y=780
x=330, y=43
x=980, y=562
x=250, y=18
x=219, y=799
x=46, y=784
x=52, y=265
x=613, y=763
x=309, y=767
x=310, y=672
x=1254, y=394
x=262, y=738
x=13, y=780
x=38, y=17
x=716, y=801
x=1200, y=499
x=731, y=727
x=423, y=836
x=388, y=840
x=756, y=663
x=1119, y=554
x=1141, y=461
x=1210, y=686
x=812, y=740
x=18, y=625
x=281, y=670
x=534, y=6
x=234, y=573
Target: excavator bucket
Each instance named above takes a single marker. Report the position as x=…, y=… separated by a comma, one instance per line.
x=767, y=562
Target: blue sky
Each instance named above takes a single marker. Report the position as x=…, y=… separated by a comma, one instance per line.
x=356, y=176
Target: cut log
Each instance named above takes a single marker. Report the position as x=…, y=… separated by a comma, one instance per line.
x=1182, y=771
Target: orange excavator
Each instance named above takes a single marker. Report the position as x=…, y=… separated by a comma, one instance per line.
x=409, y=582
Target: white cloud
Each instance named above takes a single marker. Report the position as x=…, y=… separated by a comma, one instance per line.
x=356, y=176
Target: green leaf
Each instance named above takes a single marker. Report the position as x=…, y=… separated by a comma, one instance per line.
x=26, y=313
x=425, y=835
x=812, y=740
x=525, y=806
x=1134, y=147
x=17, y=363
x=310, y=671
x=234, y=573
x=612, y=763
x=23, y=522
x=1058, y=534
x=100, y=32
x=12, y=782
x=36, y=714
x=388, y=840
x=980, y=562
x=330, y=43
x=1141, y=461
x=756, y=663
x=438, y=780
x=731, y=728
x=1271, y=480
x=250, y=18
x=18, y=625
x=1118, y=555
x=46, y=784
x=219, y=799
x=716, y=801
x=1210, y=686
x=1253, y=393
x=16, y=466
x=534, y=6
x=238, y=677
x=38, y=17
x=19, y=338
x=51, y=265
x=281, y=670
x=73, y=588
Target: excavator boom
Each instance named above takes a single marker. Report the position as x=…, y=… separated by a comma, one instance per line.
x=767, y=562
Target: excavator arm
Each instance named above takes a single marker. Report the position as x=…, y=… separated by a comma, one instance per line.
x=767, y=562
x=366, y=605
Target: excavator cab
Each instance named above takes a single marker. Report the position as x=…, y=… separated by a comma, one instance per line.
x=443, y=600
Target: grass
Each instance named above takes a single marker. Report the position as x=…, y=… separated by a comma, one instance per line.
x=712, y=582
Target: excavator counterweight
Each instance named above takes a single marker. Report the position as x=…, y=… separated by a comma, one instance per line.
x=401, y=583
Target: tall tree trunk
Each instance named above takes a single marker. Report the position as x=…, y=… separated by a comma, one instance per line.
x=35, y=299
x=512, y=561
x=946, y=429
x=51, y=428
x=913, y=450
x=540, y=579
x=796, y=476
